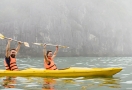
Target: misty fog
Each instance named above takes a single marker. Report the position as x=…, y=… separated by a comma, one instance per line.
x=88, y=27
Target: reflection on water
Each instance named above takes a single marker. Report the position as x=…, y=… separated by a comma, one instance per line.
x=60, y=84
x=9, y=82
x=91, y=83
x=122, y=82
x=113, y=83
x=49, y=84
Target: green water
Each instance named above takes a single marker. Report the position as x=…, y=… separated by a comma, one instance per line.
x=120, y=81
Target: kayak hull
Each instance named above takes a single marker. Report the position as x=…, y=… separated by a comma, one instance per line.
x=69, y=72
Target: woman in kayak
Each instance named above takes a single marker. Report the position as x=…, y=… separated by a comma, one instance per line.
x=10, y=56
x=49, y=59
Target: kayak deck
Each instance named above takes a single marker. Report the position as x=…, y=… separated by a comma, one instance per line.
x=68, y=72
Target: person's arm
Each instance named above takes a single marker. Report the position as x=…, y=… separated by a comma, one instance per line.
x=8, y=48
x=45, y=56
x=55, y=53
x=18, y=47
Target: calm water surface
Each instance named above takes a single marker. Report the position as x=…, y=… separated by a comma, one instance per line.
x=120, y=81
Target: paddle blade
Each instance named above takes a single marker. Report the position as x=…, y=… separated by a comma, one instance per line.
x=38, y=44
x=2, y=36
x=50, y=44
x=64, y=47
x=26, y=44
x=57, y=45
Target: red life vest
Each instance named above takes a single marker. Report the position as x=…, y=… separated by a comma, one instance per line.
x=11, y=65
x=51, y=66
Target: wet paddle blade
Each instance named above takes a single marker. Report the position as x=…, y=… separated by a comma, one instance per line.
x=2, y=36
x=38, y=44
x=64, y=46
x=57, y=45
x=26, y=44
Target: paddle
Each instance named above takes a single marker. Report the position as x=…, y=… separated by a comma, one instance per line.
x=3, y=37
x=41, y=44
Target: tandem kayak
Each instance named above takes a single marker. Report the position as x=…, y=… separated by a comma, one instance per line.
x=68, y=72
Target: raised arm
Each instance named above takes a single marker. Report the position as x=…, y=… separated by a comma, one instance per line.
x=8, y=48
x=18, y=46
x=45, y=56
x=55, y=53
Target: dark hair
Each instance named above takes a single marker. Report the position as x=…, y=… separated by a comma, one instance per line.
x=13, y=49
x=48, y=52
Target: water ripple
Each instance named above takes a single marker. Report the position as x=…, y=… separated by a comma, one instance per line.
x=121, y=81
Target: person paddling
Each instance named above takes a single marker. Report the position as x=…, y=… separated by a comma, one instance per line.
x=49, y=59
x=10, y=56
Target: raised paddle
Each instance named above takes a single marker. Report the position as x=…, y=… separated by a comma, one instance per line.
x=41, y=44
x=3, y=37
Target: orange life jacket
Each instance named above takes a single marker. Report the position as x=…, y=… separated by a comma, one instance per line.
x=11, y=64
x=52, y=65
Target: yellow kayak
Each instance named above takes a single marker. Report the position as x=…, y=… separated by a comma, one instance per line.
x=68, y=72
